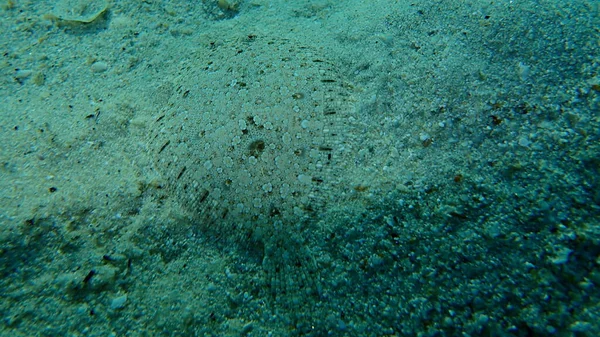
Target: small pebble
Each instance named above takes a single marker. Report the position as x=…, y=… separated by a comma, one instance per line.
x=118, y=302
x=99, y=67
x=23, y=74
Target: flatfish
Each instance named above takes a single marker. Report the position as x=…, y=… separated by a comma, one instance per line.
x=254, y=142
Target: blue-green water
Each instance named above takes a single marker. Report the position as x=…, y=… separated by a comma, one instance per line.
x=307, y=168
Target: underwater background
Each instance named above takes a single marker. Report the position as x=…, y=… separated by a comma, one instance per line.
x=299, y=168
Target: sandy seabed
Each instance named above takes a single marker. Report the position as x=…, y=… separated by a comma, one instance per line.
x=467, y=202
